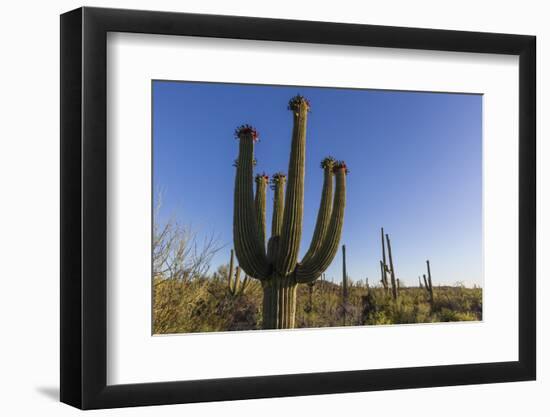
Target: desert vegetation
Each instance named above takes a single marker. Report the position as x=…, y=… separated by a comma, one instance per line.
x=188, y=298
x=264, y=284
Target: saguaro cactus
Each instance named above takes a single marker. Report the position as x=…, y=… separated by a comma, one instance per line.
x=344, y=285
x=234, y=284
x=428, y=284
x=278, y=268
x=386, y=269
x=238, y=287
x=309, y=306
x=383, y=266
x=394, y=288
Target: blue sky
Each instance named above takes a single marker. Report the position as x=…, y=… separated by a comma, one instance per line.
x=415, y=163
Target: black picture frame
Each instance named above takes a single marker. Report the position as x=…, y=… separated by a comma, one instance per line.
x=84, y=207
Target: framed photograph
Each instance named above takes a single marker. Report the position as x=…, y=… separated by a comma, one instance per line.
x=256, y=208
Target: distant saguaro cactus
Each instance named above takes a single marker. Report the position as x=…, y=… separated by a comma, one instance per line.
x=344, y=285
x=383, y=265
x=384, y=277
x=428, y=284
x=278, y=268
x=234, y=284
x=394, y=288
x=309, y=306
x=386, y=269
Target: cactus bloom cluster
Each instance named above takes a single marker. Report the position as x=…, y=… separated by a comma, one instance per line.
x=247, y=130
x=274, y=261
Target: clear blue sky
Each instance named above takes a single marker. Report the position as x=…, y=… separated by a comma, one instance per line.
x=415, y=163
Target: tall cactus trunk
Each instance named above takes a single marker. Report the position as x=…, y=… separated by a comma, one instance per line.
x=383, y=246
x=428, y=285
x=383, y=265
x=278, y=268
x=344, y=285
x=392, y=270
x=279, y=304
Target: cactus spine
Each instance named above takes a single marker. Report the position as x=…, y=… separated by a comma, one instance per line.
x=278, y=268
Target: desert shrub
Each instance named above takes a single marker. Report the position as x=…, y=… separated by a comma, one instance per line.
x=379, y=318
x=460, y=301
x=447, y=315
x=204, y=304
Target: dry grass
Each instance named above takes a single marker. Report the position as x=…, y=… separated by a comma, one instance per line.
x=204, y=304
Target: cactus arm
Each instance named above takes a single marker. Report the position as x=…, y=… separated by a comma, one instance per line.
x=261, y=183
x=315, y=266
x=278, y=185
x=248, y=248
x=325, y=209
x=291, y=233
